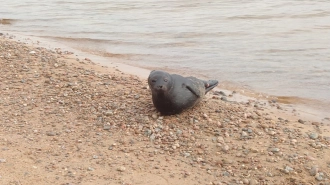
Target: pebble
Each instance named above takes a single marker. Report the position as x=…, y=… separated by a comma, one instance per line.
x=50, y=133
x=186, y=154
x=246, y=181
x=121, y=169
x=226, y=174
x=288, y=169
x=319, y=176
x=224, y=98
x=274, y=150
x=108, y=113
x=152, y=137
x=244, y=134
x=106, y=127
x=225, y=148
x=293, y=141
x=301, y=121
x=220, y=139
x=2, y=160
x=154, y=116
x=314, y=170
x=313, y=135
x=272, y=133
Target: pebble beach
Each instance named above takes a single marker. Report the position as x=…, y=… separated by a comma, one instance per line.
x=65, y=119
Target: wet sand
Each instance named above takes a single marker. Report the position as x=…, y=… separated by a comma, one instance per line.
x=65, y=119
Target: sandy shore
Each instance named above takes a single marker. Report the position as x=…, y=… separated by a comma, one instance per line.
x=67, y=120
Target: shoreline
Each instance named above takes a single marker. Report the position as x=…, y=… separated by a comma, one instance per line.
x=314, y=110
x=70, y=121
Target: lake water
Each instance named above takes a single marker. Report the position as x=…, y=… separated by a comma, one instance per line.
x=278, y=47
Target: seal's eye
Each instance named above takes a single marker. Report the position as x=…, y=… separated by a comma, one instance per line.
x=153, y=81
x=165, y=80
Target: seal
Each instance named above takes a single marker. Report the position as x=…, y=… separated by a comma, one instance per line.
x=172, y=93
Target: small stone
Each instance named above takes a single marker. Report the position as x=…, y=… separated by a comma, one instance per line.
x=288, y=169
x=90, y=169
x=319, y=176
x=316, y=124
x=246, y=181
x=314, y=170
x=253, y=182
x=244, y=134
x=186, y=154
x=223, y=98
x=220, y=93
x=220, y=140
x=205, y=115
x=108, y=113
x=43, y=59
x=272, y=133
x=50, y=133
x=121, y=169
x=106, y=127
x=254, y=150
x=293, y=141
x=313, y=135
x=152, y=137
x=154, y=116
x=225, y=148
x=301, y=121
x=274, y=150
x=2, y=160
x=148, y=132
x=226, y=174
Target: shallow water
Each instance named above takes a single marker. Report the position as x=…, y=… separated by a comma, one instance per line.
x=275, y=47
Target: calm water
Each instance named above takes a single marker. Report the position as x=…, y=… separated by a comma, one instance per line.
x=277, y=47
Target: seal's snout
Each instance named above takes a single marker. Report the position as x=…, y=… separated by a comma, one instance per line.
x=161, y=88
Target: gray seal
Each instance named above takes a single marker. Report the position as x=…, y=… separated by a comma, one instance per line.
x=172, y=93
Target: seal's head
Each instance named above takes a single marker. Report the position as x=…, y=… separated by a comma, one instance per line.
x=159, y=81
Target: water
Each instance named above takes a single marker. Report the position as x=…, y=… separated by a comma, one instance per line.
x=278, y=47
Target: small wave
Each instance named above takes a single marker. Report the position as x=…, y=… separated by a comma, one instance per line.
x=79, y=39
x=255, y=17
x=292, y=99
x=175, y=44
x=290, y=50
x=107, y=54
x=7, y=21
x=311, y=15
x=279, y=16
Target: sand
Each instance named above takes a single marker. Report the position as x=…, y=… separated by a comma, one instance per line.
x=67, y=120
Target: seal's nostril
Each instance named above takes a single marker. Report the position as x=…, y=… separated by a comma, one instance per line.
x=160, y=86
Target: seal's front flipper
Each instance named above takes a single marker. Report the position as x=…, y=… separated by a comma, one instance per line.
x=194, y=90
x=194, y=86
x=209, y=85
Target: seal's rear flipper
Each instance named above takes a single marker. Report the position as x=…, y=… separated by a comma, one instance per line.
x=209, y=85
